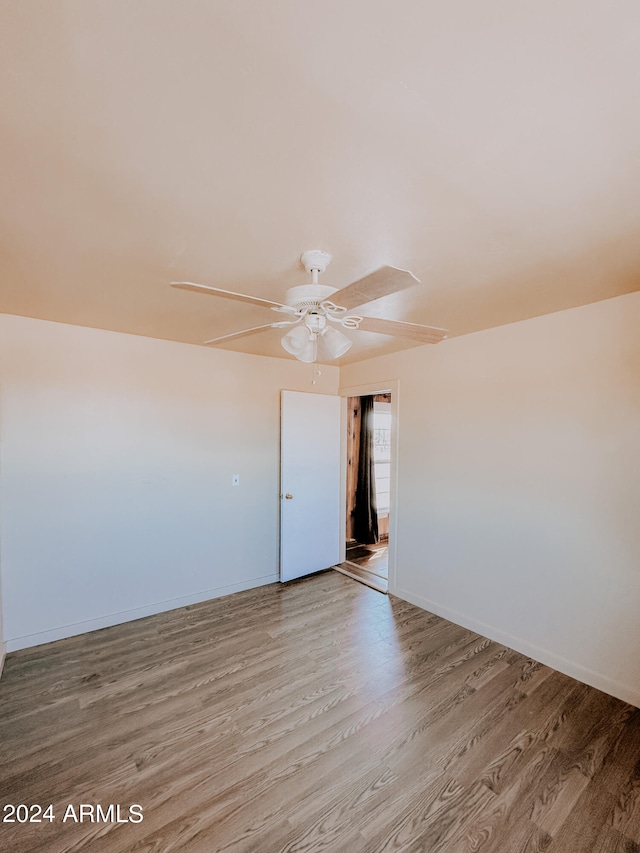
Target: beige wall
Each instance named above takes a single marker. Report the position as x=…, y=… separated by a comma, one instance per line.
x=3, y=645
x=518, y=505
x=518, y=496
x=116, y=462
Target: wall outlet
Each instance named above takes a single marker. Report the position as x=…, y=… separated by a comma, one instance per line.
x=235, y=480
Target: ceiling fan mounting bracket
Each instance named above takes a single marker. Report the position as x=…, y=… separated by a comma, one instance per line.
x=315, y=259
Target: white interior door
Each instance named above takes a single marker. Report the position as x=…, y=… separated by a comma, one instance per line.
x=310, y=483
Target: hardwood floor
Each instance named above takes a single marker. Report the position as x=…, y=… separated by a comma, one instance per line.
x=373, y=558
x=368, y=564
x=314, y=716
x=354, y=571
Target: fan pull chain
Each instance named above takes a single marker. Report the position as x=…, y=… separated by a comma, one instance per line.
x=316, y=372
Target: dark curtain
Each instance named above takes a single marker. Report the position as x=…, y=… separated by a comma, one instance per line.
x=365, y=514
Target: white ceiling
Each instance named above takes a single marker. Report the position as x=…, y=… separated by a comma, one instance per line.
x=492, y=147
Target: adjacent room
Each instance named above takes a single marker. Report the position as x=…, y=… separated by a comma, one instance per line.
x=410, y=623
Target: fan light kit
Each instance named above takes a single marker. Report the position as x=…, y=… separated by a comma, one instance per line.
x=315, y=317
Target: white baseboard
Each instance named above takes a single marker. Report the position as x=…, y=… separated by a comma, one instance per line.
x=108, y=621
x=3, y=652
x=595, y=679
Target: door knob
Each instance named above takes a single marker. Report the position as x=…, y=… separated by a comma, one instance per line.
x=288, y=496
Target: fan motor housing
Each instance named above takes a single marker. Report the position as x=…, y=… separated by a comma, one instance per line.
x=308, y=296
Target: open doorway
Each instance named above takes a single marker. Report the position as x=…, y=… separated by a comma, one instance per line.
x=368, y=489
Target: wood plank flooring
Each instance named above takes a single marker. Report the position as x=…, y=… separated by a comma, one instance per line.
x=316, y=716
x=373, y=558
x=357, y=573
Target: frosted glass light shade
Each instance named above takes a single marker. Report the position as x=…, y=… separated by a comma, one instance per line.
x=336, y=342
x=301, y=343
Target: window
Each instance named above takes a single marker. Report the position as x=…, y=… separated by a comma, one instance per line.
x=382, y=454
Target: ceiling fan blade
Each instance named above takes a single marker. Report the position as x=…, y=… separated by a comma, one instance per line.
x=228, y=294
x=424, y=334
x=242, y=334
x=382, y=282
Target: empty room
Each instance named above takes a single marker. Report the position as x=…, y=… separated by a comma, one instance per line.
x=286, y=289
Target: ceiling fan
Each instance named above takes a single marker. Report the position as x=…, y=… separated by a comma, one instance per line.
x=316, y=312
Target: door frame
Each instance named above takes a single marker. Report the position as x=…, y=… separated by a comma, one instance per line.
x=366, y=390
